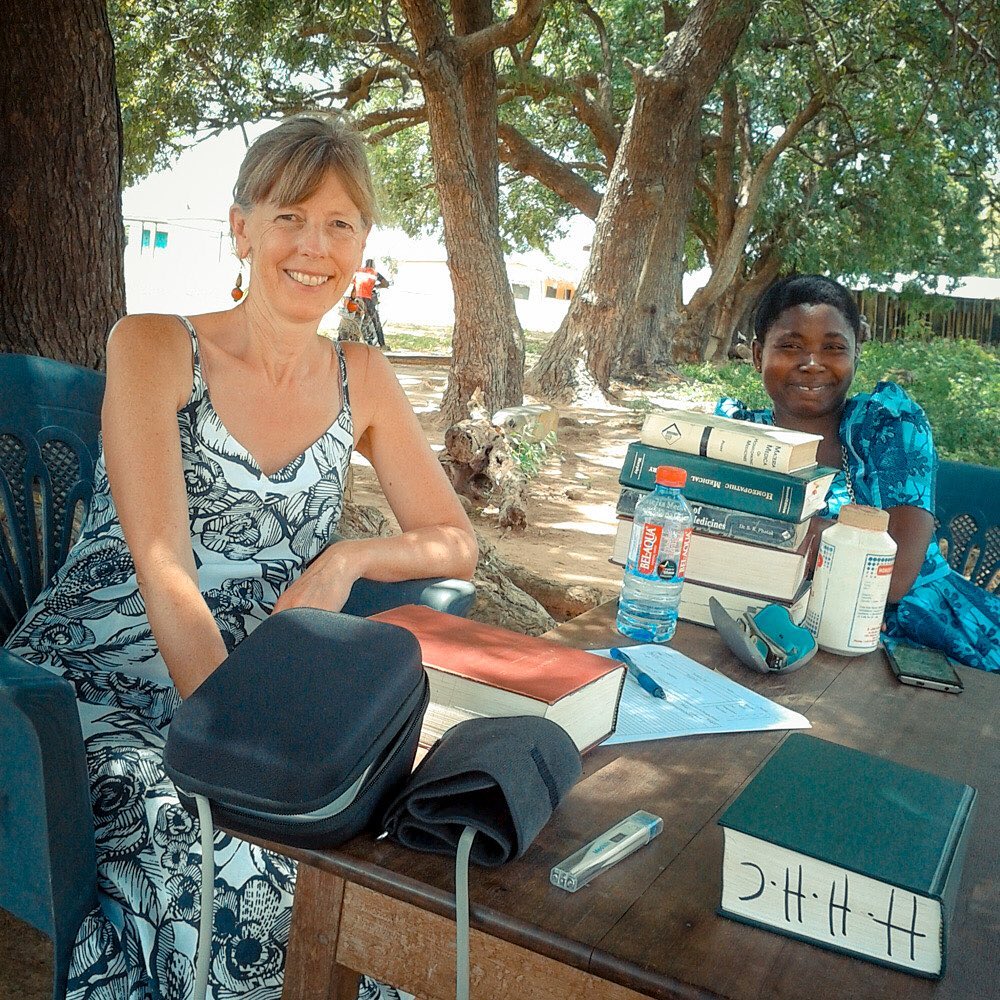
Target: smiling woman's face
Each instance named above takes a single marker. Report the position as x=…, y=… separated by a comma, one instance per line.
x=807, y=362
x=303, y=256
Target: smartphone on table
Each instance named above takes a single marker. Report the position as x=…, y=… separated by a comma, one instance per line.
x=922, y=667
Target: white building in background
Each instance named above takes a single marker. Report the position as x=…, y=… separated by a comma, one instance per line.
x=178, y=265
x=188, y=265
x=421, y=293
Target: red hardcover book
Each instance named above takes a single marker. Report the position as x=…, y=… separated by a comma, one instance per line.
x=483, y=670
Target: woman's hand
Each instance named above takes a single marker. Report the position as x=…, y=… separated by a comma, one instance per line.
x=325, y=583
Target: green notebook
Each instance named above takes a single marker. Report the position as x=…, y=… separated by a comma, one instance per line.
x=849, y=851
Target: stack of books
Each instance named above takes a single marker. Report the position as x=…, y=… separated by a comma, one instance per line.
x=752, y=488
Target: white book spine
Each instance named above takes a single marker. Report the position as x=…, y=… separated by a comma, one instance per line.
x=725, y=440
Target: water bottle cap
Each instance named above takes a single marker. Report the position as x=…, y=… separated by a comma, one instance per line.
x=857, y=515
x=670, y=475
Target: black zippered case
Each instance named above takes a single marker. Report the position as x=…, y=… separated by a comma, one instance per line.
x=306, y=729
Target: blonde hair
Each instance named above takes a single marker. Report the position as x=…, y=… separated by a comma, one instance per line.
x=287, y=164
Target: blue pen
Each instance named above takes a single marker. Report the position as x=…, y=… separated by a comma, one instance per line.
x=638, y=674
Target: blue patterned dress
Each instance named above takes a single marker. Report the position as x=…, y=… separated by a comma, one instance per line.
x=252, y=535
x=892, y=462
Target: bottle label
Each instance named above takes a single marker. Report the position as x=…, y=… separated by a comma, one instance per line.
x=655, y=560
x=649, y=549
x=849, y=592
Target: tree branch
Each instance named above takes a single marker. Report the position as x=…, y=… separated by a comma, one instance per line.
x=358, y=88
x=672, y=20
x=391, y=116
x=500, y=34
x=723, y=197
x=735, y=246
x=520, y=154
x=604, y=73
x=590, y=114
x=973, y=44
x=365, y=36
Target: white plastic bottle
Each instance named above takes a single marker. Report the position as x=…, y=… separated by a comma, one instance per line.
x=657, y=558
x=851, y=583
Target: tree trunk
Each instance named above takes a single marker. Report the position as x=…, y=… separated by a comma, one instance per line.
x=487, y=342
x=629, y=299
x=708, y=325
x=62, y=281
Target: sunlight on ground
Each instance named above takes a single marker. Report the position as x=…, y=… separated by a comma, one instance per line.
x=608, y=530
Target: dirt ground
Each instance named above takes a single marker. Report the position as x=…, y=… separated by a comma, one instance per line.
x=571, y=526
x=571, y=503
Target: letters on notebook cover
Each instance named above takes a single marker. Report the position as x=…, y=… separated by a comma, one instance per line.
x=849, y=851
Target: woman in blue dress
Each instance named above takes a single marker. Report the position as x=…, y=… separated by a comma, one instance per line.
x=226, y=440
x=806, y=347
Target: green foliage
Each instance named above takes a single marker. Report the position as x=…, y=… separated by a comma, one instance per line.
x=891, y=176
x=895, y=173
x=530, y=455
x=957, y=382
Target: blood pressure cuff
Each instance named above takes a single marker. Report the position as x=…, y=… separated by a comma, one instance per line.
x=767, y=642
x=305, y=730
x=500, y=777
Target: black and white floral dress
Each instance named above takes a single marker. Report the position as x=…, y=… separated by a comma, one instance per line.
x=252, y=535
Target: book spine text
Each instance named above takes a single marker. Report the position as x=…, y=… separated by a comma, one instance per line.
x=753, y=491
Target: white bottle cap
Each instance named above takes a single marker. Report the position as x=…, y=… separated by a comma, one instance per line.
x=856, y=515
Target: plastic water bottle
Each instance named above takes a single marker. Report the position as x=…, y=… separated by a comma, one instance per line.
x=657, y=559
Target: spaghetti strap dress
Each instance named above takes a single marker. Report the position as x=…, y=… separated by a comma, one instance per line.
x=252, y=534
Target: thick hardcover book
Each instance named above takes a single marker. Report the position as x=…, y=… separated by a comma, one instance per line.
x=788, y=496
x=774, y=574
x=761, y=446
x=849, y=851
x=737, y=524
x=481, y=670
x=694, y=602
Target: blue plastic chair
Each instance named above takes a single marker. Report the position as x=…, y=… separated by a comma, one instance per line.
x=49, y=424
x=968, y=514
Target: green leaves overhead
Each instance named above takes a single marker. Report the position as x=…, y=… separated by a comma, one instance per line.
x=894, y=172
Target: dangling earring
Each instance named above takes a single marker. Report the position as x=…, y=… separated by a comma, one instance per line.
x=237, y=292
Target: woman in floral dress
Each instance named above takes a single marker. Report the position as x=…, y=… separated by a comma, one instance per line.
x=226, y=442
x=806, y=347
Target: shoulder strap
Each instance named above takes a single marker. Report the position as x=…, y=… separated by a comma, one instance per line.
x=198, y=385
x=342, y=361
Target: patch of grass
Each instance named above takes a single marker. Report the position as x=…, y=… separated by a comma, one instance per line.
x=957, y=382
x=640, y=405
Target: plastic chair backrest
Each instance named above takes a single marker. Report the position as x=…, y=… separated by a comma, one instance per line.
x=968, y=514
x=50, y=419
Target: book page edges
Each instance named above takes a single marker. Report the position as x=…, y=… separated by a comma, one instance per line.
x=455, y=699
x=929, y=965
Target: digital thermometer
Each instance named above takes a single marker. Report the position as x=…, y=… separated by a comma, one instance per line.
x=609, y=848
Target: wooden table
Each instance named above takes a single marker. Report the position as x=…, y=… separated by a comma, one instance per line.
x=649, y=928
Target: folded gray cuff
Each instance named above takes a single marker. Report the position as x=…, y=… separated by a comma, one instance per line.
x=502, y=777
